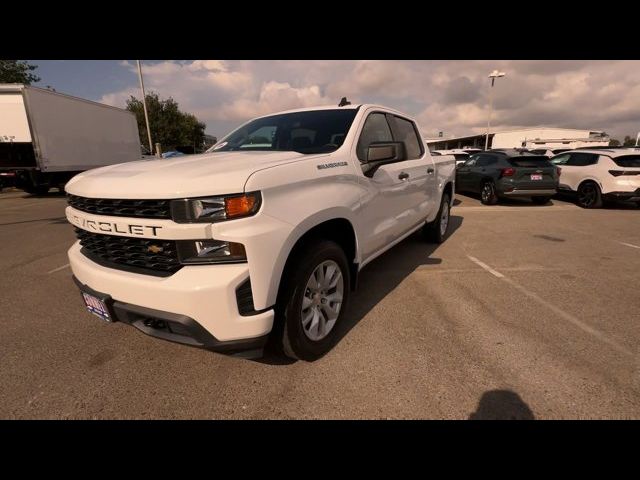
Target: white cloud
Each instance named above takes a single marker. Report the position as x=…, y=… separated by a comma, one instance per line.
x=443, y=95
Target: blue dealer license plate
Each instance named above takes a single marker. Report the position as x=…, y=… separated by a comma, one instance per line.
x=96, y=306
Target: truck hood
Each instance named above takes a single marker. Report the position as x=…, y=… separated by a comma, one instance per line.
x=186, y=176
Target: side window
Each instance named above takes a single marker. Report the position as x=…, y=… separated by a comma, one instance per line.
x=472, y=161
x=582, y=159
x=376, y=129
x=405, y=131
x=560, y=159
x=486, y=160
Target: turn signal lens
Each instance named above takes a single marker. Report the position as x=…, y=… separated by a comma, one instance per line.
x=240, y=206
x=508, y=172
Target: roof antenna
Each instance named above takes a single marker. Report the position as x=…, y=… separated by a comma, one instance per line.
x=344, y=102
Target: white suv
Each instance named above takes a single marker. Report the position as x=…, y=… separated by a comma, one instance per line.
x=597, y=175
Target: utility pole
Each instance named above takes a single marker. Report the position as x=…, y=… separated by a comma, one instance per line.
x=144, y=105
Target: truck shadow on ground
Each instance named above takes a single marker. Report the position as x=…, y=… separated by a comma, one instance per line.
x=502, y=405
x=378, y=279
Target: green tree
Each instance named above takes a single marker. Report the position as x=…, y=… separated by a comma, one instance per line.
x=17, y=71
x=614, y=143
x=628, y=141
x=169, y=126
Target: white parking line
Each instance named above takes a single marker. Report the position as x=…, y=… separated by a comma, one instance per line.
x=561, y=313
x=486, y=267
x=58, y=269
x=629, y=245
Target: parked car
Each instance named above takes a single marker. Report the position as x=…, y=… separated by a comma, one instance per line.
x=548, y=152
x=597, y=175
x=460, y=155
x=256, y=239
x=172, y=153
x=7, y=180
x=508, y=173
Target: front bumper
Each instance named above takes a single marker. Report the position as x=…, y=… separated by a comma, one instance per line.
x=198, y=296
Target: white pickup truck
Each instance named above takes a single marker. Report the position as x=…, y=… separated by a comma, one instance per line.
x=262, y=235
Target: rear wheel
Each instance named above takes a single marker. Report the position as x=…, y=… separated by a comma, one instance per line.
x=540, y=200
x=488, y=195
x=436, y=231
x=589, y=195
x=313, y=301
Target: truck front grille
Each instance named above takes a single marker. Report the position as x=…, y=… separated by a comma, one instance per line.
x=141, y=255
x=122, y=208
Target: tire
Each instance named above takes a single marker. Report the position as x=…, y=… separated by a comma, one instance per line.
x=488, y=195
x=300, y=339
x=589, y=195
x=540, y=200
x=436, y=231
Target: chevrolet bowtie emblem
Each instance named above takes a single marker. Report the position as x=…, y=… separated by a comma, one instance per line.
x=154, y=249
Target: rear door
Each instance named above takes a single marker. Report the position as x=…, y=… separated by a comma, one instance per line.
x=483, y=168
x=383, y=214
x=575, y=168
x=419, y=165
x=534, y=172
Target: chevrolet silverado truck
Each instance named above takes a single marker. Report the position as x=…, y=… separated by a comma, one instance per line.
x=263, y=235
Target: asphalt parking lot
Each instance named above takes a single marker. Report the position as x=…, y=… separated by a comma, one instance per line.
x=524, y=312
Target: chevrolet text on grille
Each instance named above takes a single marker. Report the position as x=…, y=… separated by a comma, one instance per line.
x=110, y=227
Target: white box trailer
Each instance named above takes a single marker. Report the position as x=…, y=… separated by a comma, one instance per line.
x=47, y=137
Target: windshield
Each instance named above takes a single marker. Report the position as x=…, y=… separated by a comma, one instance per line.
x=316, y=131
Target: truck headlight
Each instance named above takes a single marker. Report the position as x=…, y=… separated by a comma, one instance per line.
x=215, y=209
x=210, y=251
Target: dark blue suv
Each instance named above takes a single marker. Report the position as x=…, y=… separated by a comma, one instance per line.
x=508, y=173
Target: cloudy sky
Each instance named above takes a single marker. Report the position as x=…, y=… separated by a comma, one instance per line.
x=449, y=96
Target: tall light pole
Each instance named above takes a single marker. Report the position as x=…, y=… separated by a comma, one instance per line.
x=493, y=75
x=144, y=105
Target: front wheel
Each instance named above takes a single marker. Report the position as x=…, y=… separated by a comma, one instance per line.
x=436, y=231
x=589, y=195
x=314, y=299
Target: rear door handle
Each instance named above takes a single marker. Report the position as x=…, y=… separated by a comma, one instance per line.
x=403, y=176
x=430, y=170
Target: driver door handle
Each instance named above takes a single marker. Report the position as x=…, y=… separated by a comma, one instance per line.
x=403, y=176
x=430, y=171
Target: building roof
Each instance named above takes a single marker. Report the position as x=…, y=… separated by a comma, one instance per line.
x=494, y=132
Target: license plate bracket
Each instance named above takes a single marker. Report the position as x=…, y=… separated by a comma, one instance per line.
x=98, y=304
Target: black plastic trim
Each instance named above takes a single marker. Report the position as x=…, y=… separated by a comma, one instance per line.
x=124, y=267
x=191, y=332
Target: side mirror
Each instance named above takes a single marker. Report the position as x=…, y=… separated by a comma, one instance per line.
x=380, y=153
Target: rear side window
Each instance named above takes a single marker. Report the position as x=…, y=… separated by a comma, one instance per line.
x=560, y=159
x=486, y=160
x=376, y=129
x=582, y=159
x=630, y=161
x=530, y=162
x=405, y=131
